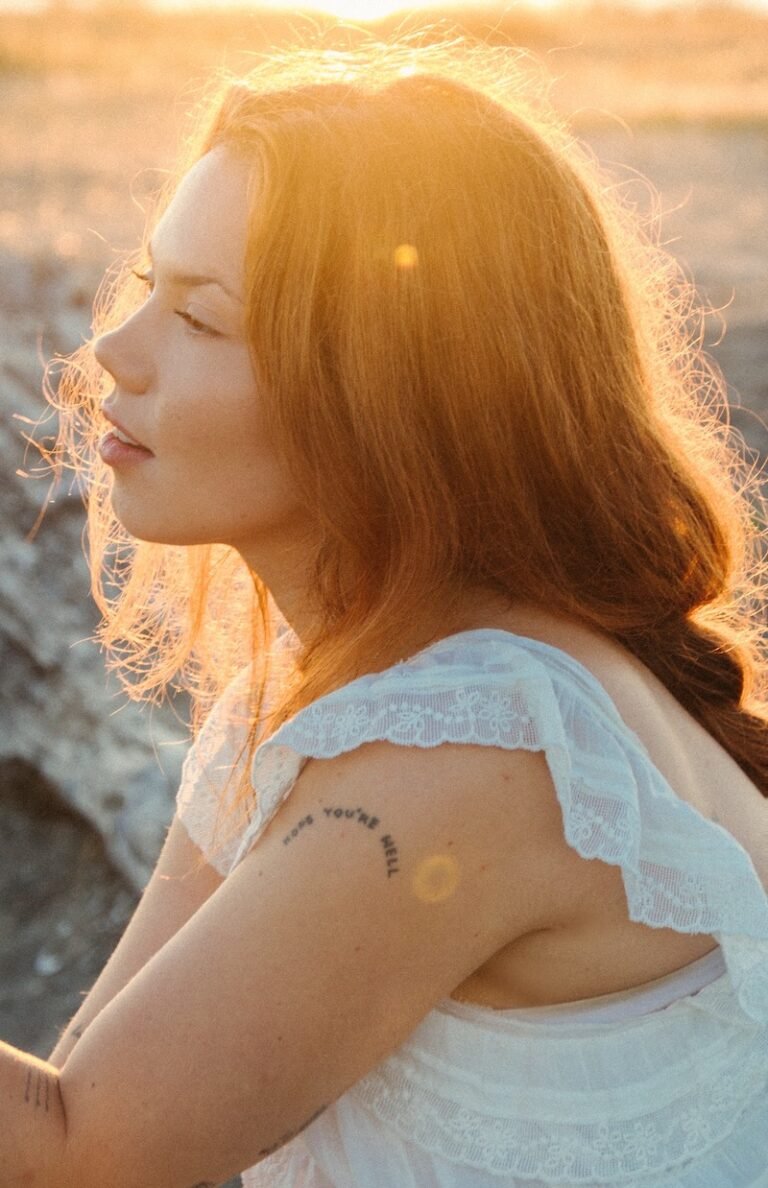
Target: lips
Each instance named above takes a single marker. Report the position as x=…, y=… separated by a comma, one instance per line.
x=122, y=432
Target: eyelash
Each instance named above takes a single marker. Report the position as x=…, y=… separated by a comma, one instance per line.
x=196, y=326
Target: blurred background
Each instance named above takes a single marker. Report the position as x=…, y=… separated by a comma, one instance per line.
x=672, y=100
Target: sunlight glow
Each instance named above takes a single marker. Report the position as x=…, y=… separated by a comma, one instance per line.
x=406, y=256
x=374, y=10
x=357, y=10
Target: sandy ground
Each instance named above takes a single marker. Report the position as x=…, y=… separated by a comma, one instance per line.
x=76, y=168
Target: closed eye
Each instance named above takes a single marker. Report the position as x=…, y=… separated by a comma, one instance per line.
x=146, y=278
x=196, y=326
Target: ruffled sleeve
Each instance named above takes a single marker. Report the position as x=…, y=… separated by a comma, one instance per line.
x=680, y=870
x=214, y=766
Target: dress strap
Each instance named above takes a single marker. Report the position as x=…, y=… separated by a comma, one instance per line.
x=612, y=1008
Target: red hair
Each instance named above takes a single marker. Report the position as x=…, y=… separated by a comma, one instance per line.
x=481, y=374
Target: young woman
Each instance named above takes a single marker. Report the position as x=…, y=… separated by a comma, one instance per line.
x=402, y=463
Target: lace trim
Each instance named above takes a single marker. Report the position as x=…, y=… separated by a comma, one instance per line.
x=462, y=712
x=679, y=870
x=577, y=1150
x=291, y=1167
x=213, y=764
x=272, y=1171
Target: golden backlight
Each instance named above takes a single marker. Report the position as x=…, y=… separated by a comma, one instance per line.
x=374, y=10
x=357, y=10
x=368, y=10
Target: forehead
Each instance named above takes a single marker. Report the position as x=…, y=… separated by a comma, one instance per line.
x=205, y=227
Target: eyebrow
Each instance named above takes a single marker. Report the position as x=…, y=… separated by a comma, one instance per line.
x=193, y=280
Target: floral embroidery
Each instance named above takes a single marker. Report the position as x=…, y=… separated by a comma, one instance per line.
x=572, y=1149
x=495, y=689
x=679, y=871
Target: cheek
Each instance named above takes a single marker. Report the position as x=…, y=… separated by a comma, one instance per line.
x=210, y=406
x=217, y=475
x=224, y=463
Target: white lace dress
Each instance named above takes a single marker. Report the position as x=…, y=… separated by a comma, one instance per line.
x=675, y=1097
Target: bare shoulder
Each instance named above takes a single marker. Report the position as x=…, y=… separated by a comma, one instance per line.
x=387, y=876
x=476, y=824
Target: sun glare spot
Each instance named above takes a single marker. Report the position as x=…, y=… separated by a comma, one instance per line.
x=436, y=878
x=406, y=256
x=360, y=10
x=366, y=10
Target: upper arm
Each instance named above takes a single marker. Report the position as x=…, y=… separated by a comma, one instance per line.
x=388, y=876
x=179, y=885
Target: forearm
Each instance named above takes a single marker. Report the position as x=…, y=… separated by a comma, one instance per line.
x=33, y=1132
x=69, y=1037
x=119, y=970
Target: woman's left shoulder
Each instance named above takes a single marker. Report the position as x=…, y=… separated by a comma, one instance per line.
x=388, y=876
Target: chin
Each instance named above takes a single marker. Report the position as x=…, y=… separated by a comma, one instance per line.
x=141, y=520
x=165, y=536
x=154, y=531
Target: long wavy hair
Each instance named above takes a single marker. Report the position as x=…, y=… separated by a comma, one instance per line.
x=482, y=373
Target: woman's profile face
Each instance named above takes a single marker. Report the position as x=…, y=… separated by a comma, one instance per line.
x=185, y=388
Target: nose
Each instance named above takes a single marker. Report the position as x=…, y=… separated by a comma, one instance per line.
x=120, y=353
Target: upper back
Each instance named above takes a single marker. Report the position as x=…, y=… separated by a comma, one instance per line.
x=593, y=947
x=696, y=766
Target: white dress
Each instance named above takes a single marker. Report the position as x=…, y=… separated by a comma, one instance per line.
x=665, y=1086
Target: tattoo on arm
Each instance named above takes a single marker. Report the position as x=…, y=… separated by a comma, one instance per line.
x=292, y=1134
x=37, y=1089
x=366, y=820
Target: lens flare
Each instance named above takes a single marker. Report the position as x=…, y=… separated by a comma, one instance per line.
x=436, y=878
x=406, y=256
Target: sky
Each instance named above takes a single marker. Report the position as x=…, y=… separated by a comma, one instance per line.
x=371, y=9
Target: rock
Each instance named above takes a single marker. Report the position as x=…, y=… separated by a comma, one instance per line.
x=62, y=910
x=61, y=715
